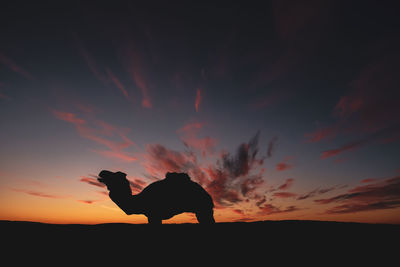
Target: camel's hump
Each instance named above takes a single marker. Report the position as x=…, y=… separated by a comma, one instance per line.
x=178, y=177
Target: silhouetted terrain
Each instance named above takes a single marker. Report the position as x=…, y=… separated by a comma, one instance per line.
x=269, y=240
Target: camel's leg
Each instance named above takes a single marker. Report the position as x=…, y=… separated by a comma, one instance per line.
x=154, y=220
x=205, y=216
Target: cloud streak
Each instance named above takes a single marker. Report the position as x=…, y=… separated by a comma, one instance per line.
x=39, y=194
x=118, y=84
x=199, y=98
x=101, y=133
x=90, y=61
x=344, y=148
x=283, y=166
x=14, y=67
x=368, y=109
x=372, y=196
x=380, y=135
x=136, y=68
x=91, y=181
x=271, y=146
x=189, y=135
x=270, y=209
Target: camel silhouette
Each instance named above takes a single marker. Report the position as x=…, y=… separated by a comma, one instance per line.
x=160, y=200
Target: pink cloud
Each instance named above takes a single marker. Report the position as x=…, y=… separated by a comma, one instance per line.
x=288, y=183
x=319, y=191
x=284, y=194
x=189, y=135
x=219, y=188
x=368, y=180
x=68, y=117
x=282, y=166
x=142, y=84
x=269, y=209
x=348, y=105
x=127, y=157
x=198, y=100
x=14, y=67
x=136, y=184
x=137, y=69
x=238, y=211
x=90, y=61
x=118, y=84
x=368, y=109
x=39, y=194
x=323, y=133
x=372, y=138
x=249, y=185
x=97, y=134
x=161, y=160
x=372, y=196
x=88, y=201
x=347, y=147
x=191, y=127
x=91, y=181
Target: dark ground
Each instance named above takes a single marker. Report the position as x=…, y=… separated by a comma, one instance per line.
x=272, y=241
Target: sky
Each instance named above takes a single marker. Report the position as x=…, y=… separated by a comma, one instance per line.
x=286, y=111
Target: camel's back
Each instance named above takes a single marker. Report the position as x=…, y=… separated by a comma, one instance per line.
x=178, y=192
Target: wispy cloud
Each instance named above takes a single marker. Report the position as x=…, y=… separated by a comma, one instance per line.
x=318, y=192
x=142, y=84
x=102, y=133
x=284, y=195
x=14, y=67
x=90, y=61
x=245, y=158
x=160, y=160
x=136, y=68
x=269, y=209
x=287, y=184
x=369, y=109
x=372, y=196
x=347, y=147
x=284, y=165
x=38, y=193
x=124, y=156
x=68, y=117
x=91, y=181
x=118, y=84
x=271, y=146
x=380, y=135
x=189, y=135
x=87, y=201
x=198, y=100
x=320, y=134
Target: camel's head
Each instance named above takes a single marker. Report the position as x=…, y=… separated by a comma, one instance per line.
x=115, y=181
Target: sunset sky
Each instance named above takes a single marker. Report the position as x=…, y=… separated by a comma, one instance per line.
x=289, y=110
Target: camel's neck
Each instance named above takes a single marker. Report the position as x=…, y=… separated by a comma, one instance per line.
x=130, y=204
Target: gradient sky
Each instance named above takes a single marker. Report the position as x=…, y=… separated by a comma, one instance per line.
x=289, y=110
